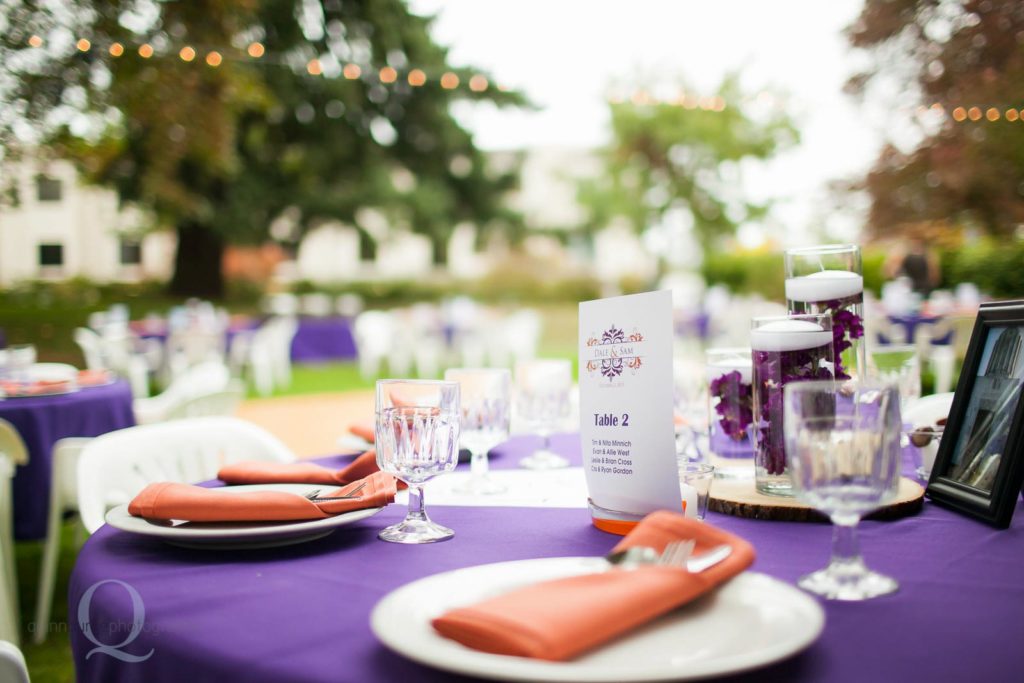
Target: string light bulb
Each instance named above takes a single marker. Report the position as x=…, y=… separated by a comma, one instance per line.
x=187, y=53
x=35, y=41
x=992, y=114
x=1011, y=115
x=116, y=49
x=351, y=71
x=449, y=81
x=974, y=113
x=83, y=44
x=478, y=83
x=314, y=67
x=256, y=50
x=214, y=58
x=417, y=78
x=387, y=75
x=145, y=50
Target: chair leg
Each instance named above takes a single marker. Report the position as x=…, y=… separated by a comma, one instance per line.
x=48, y=572
x=11, y=628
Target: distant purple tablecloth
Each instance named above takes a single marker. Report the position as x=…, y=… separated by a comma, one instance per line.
x=320, y=340
x=301, y=613
x=43, y=421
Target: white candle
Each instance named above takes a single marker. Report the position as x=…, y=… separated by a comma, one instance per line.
x=789, y=335
x=824, y=285
x=723, y=366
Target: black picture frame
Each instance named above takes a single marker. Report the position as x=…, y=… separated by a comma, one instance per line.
x=969, y=475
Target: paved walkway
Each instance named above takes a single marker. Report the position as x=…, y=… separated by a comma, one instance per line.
x=310, y=425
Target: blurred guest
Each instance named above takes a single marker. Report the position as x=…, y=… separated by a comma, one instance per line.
x=916, y=262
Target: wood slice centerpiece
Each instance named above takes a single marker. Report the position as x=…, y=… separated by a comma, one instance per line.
x=739, y=498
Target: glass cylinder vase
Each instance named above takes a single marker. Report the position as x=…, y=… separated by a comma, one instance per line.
x=783, y=350
x=829, y=279
x=730, y=408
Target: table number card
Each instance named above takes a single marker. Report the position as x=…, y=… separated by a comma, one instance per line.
x=626, y=424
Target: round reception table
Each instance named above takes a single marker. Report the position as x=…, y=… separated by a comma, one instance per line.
x=301, y=613
x=44, y=420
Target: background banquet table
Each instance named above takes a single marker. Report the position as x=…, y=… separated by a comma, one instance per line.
x=301, y=613
x=319, y=340
x=44, y=420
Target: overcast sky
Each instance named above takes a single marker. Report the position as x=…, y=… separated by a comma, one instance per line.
x=567, y=54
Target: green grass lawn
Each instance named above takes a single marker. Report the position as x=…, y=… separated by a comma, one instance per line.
x=50, y=662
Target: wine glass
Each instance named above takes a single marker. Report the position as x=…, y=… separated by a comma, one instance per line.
x=417, y=438
x=485, y=418
x=543, y=402
x=843, y=440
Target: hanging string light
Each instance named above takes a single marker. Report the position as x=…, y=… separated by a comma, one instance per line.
x=415, y=77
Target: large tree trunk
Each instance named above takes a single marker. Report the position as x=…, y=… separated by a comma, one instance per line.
x=197, y=262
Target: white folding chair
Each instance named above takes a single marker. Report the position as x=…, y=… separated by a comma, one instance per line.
x=113, y=468
x=63, y=499
x=12, y=453
x=12, y=664
x=216, y=403
x=199, y=380
x=374, y=333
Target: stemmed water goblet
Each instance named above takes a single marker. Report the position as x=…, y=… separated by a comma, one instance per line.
x=485, y=396
x=417, y=438
x=543, y=402
x=843, y=443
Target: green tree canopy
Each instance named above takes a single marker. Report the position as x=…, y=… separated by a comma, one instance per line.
x=667, y=155
x=963, y=61
x=219, y=115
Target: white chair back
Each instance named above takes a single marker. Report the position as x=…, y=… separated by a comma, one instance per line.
x=212, y=404
x=200, y=380
x=12, y=664
x=92, y=347
x=374, y=336
x=115, y=467
x=11, y=443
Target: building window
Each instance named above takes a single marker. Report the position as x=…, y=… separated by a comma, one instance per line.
x=48, y=189
x=131, y=252
x=51, y=255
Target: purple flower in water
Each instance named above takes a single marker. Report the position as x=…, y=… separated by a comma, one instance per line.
x=772, y=371
x=735, y=406
x=846, y=326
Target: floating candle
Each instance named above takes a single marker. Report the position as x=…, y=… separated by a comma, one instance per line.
x=789, y=335
x=723, y=366
x=825, y=285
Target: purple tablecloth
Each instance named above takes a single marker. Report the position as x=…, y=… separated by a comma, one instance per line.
x=321, y=340
x=301, y=613
x=44, y=420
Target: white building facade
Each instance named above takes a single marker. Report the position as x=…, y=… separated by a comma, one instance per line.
x=53, y=227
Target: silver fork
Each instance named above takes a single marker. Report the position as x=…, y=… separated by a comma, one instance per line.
x=314, y=495
x=676, y=554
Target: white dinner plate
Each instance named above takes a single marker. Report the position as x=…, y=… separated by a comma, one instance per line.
x=751, y=621
x=237, y=535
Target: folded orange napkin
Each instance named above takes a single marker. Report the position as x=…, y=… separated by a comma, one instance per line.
x=364, y=429
x=167, y=500
x=255, y=472
x=557, y=620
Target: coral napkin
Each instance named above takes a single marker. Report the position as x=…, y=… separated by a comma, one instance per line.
x=256, y=472
x=364, y=429
x=168, y=500
x=557, y=620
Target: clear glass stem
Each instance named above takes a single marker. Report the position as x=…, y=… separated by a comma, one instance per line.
x=545, y=441
x=417, y=508
x=478, y=463
x=846, y=559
